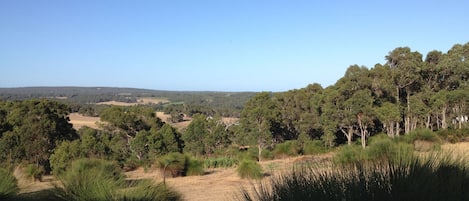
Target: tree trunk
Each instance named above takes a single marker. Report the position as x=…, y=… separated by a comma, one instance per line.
x=407, y=119
x=398, y=128
x=259, y=146
x=348, y=134
x=427, y=124
x=444, y=125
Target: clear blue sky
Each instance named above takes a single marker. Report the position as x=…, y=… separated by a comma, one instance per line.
x=217, y=45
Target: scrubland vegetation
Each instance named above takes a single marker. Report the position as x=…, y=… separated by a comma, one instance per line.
x=373, y=120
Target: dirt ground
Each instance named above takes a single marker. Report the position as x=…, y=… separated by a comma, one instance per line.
x=217, y=184
x=79, y=121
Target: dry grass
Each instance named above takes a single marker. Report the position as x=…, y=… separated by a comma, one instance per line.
x=79, y=121
x=153, y=100
x=140, y=101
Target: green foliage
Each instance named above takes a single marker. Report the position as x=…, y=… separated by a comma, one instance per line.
x=194, y=167
x=454, y=135
x=147, y=190
x=313, y=147
x=177, y=164
x=194, y=136
x=8, y=184
x=249, y=169
x=31, y=130
x=64, y=153
x=220, y=162
x=411, y=178
x=423, y=134
x=90, y=179
x=34, y=172
x=349, y=154
x=93, y=179
x=286, y=149
x=383, y=147
x=173, y=163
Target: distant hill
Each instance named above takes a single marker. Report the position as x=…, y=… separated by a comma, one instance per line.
x=92, y=95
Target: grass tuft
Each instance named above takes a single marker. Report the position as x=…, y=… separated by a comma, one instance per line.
x=433, y=177
x=8, y=184
x=249, y=169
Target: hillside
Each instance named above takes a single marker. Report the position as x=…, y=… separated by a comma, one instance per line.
x=219, y=101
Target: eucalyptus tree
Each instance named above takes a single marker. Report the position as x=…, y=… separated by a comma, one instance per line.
x=406, y=66
x=259, y=120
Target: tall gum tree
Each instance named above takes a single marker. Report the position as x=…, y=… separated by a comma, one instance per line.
x=258, y=119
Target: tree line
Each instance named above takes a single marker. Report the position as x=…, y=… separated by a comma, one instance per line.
x=406, y=93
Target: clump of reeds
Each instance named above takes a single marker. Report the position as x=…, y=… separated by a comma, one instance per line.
x=8, y=184
x=432, y=177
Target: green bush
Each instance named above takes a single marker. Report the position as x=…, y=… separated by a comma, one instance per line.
x=349, y=154
x=422, y=134
x=220, y=162
x=286, y=149
x=249, y=169
x=34, y=172
x=90, y=179
x=173, y=163
x=436, y=178
x=94, y=179
x=178, y=164
x=147, y=190
x=8, y=184
x=194, y=167
x=454, y=135
x=383, y=147
x=312, y=147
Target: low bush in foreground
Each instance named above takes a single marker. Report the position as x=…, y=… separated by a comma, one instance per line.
x=434, y=178
x=93, y=179
x=249, y=169
x=8, y=184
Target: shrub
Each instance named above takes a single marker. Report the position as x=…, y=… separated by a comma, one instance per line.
x=285, y=149
x=410, y=178
x=312, y=147
x=147, y=190
x=93, y=179
x=194, y=167
x=173, y=163
x=454, y=135
x=349, y=154
x=221, y=162
x=249, y=169
x=34, y=172
x=178, y=164
x=8, y=184
x=90, y=179
x=424, y=135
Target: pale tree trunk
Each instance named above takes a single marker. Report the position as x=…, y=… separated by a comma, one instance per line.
x=427, y=123
x=348, y=134
x=363, y=131
x=398, y=129
x=444, y=125
x=259, y=146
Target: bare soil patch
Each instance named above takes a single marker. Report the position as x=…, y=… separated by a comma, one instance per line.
x=79, y=121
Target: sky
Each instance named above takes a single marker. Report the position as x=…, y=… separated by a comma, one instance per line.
x=219, y=45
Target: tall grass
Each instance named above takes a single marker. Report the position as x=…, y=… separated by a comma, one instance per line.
x=8, y=184
x=94, y=179
x=220, y=162
x=249, y=169
x=432, y=178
